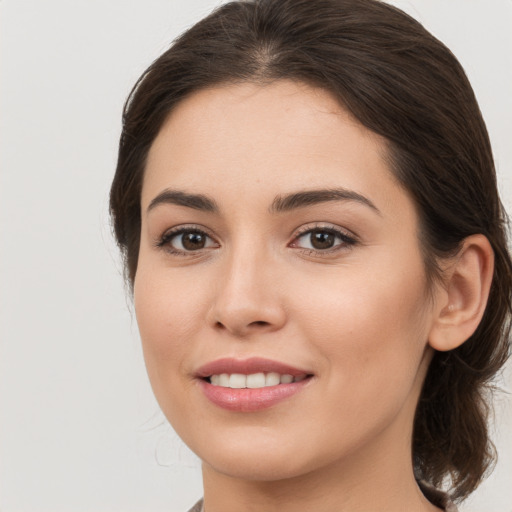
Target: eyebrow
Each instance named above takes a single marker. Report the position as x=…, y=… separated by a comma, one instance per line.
x=195, y=201
x=295, y=200
x=307, y=198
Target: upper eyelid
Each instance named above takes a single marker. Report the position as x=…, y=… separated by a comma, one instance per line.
x=297, y=231
x=187, y=227
x=306, y=228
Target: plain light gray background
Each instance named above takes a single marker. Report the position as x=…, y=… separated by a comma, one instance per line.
x=79, y=428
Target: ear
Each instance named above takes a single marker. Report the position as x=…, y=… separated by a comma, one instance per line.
x=462, y=303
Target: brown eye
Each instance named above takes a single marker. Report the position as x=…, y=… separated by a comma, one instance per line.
x=322, y=239
x=186, y=240
x=193, y=241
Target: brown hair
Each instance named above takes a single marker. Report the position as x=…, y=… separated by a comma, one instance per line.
x=402, y=83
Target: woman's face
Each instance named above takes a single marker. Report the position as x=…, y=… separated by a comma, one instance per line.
x=276, y=242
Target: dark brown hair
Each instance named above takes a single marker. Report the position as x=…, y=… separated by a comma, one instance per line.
x=402, y=83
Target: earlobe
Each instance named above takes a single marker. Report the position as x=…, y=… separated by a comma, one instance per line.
x=467, y=285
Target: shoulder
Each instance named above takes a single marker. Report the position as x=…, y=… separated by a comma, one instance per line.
x=437, y=497
x=198, y=507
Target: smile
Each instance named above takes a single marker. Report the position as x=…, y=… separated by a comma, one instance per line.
x=254, y=380
x=250, y=385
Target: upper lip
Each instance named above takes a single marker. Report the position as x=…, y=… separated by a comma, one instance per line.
x=248, y=367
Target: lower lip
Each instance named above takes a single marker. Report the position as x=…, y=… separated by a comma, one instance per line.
x=250, y=400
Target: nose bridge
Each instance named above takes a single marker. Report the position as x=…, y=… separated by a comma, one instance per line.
x=247, y=299
x=244, y=269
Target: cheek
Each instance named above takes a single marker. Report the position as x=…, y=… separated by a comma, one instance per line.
x=166, y=314
x=370, y=330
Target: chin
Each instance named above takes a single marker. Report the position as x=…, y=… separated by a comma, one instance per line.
x=263, y=459
x=260, y=468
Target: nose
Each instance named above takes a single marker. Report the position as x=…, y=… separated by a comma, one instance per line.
x=248, y=298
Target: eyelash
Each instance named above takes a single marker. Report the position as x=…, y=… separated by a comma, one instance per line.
x=346, y=240
x=165, y=240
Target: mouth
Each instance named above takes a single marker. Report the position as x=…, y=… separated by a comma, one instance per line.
x=250, y=385
x=253, y=380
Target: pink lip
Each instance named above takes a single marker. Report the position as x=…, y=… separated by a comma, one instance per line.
x=248, y=366
x=249, y=400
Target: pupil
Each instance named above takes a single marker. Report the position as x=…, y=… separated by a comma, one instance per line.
x=192, y=241
x=322, y=239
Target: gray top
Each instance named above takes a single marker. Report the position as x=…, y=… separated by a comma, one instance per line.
x=198, y=507
x=435, y=496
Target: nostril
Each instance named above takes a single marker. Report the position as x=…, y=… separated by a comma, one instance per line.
x=242, y=321
x=242, y=330
x=259, y=322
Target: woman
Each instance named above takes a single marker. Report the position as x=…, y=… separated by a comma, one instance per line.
x=306, y=201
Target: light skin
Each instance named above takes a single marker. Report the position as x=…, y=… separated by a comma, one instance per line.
x=241, y=171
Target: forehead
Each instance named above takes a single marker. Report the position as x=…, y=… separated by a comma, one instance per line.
x=271, y=139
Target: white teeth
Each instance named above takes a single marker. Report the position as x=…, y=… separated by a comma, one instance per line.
x=237, y=381
x=254, y=380
x=272, y=379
